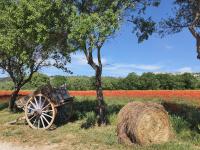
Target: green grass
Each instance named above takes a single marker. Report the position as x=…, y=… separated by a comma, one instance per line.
x=82, y=132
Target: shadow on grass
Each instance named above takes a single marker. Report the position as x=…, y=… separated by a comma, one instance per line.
x=3, y=106
x=82, y=108
x=86, y=110
x=188, y=114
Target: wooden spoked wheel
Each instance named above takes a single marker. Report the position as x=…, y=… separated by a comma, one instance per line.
x=40, y=112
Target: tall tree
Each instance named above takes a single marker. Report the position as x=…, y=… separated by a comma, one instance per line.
x=186, y=15
x=94, y=22
x=30, y=35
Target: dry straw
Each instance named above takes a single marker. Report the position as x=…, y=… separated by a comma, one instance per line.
x=143, y=124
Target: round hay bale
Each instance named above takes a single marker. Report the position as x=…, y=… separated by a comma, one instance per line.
x=143, y=124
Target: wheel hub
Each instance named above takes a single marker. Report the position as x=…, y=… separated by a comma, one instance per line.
x=38, y=112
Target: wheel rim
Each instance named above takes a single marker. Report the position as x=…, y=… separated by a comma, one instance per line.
x=40, y=112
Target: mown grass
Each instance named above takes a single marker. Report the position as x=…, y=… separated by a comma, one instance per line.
x=82, y=132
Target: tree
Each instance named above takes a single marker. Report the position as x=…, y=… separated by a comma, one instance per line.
x=94, y=22
x=36, y=81
x=90, y=31
x=167, y=81
x=186, y=16
x=111, y=83
x=190, y=82
x=131, y=82
x=29, y=35
x=148, y=81
x=79, y=83
x=58, y=81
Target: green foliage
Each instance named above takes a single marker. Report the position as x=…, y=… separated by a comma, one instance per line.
x=80, y=83
x=37, y=81
x=185, y=81
x=6, y=85
x=147, y=81
x=57, y=81
x=143, y=28
x=131, y=82
x=189, y=81
x=29, y=36
x=167, y=81
x=93, y=26
x=111, y=83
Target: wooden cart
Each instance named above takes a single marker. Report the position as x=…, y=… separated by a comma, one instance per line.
x=41, y=107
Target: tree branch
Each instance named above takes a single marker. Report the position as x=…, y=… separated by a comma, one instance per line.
x=90, y=59
x=89, y=56
x=193, y=25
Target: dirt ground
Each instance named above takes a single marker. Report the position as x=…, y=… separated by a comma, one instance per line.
x=12, y=146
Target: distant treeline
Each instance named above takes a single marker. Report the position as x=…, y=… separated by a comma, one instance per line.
x=146, y=81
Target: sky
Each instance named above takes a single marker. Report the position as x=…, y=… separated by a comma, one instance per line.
x=122, y=54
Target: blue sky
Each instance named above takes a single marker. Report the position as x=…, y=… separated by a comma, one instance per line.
x=122, y=54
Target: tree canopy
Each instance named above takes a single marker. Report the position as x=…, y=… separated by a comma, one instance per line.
x=95, y=21
x=186, y=15
x=31, y=34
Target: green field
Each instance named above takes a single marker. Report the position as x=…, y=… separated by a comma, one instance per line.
x=82, y=132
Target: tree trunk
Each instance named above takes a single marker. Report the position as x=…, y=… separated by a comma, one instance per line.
x=100, y=98
x=13, y=99
x=198, y=47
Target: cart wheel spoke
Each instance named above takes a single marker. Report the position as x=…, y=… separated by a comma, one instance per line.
x=38, y=123
x=35, y=121
x=40, y=102
x=47, y=111
x=42, y=122
x=33, y=105
x=36, y=103
x=45, y=120
x=47, y=115
x=32, y=117
x=45, y=107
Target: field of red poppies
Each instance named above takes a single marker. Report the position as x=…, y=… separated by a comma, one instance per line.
x=161, y=94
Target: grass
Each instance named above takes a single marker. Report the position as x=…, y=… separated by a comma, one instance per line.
x=82, y=133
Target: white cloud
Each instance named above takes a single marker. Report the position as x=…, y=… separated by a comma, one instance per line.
x=169, y=47
x=133, y=67
x=78, y=59
x=124, y=69
x=147, y=67
x=185, y=69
